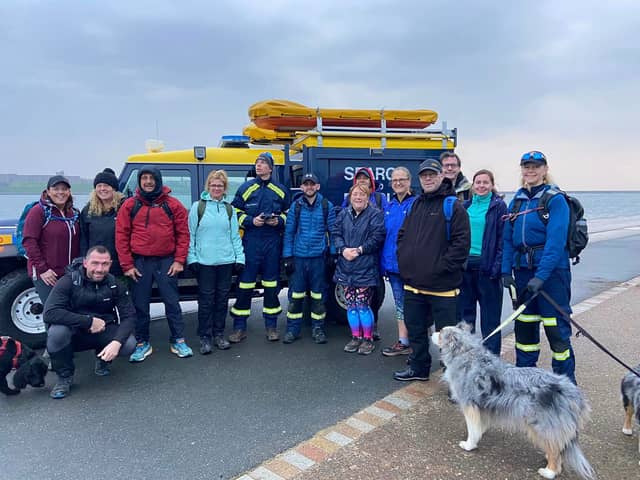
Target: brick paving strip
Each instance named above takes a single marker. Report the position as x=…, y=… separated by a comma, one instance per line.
x=324, y=443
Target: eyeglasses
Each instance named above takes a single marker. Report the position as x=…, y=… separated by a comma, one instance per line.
x=399, y=180
x=534, y=155
x=449, y=165
x=216, y=185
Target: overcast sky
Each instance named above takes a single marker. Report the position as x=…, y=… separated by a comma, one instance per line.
x=85, y=83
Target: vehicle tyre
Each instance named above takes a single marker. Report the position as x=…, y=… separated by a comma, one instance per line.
x=336, y=305
x=21, y=310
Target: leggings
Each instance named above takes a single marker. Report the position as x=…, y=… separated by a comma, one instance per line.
x=359, y=311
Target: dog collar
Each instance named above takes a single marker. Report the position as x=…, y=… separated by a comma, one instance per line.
x=3, y=349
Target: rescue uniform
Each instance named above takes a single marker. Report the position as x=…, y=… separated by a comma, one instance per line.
x=262, y=248
x=533, y=249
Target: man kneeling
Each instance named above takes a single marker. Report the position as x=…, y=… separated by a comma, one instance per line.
x=87, y=309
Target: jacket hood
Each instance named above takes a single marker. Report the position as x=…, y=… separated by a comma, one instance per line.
x=46, y=201
x=162, y=196
x=369, y=173
x=157, y=176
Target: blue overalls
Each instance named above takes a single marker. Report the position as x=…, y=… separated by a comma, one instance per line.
x=262, y=247
x=530, y=249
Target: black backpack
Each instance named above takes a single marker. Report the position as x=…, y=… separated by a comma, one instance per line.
x=138, y=205
x=578, y=233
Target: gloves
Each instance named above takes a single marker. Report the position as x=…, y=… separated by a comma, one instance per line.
x=535, y=284
x=195, y=268
x=238, y=268
x=289, y=265
x=508, y=281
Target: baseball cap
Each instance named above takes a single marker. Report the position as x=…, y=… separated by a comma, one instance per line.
x=310, y=177
x=430, y=164
x=56, y=179
x=533, y=156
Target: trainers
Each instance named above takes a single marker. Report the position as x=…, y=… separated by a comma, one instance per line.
x=142, y=351
x=319, y=336
x=366, y=347
x=353, y=345
x=237, y=336
x=409, y=374
x=272, y=335
x=205, y=346
x=397, y=348
x=62, y=387
x=289, y=337
x=102, y=368
x=221, y=343
x=181, y=349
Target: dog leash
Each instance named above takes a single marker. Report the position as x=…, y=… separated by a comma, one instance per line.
x=511, y=317
x=582, y=331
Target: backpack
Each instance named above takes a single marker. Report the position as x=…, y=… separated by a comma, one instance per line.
x=578, y=233
x=138, y=205
x=18, y=236
x=202, y=206
x=447, y=209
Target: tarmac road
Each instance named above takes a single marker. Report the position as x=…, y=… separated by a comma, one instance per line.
x=217, y=416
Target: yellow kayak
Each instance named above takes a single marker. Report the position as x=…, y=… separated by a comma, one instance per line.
x=284, y=115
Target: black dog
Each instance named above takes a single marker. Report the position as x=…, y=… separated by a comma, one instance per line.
x=30, y=368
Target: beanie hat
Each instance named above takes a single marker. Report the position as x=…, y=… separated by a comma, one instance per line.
x=266, y=157
x=106, y=176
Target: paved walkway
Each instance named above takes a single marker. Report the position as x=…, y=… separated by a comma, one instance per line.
x=414, y=432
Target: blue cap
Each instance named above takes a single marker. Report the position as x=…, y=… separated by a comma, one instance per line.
x=310, y=177
x=533, y=156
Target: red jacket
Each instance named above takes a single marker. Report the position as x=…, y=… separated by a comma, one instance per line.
x=54, y=245
x=151, y=233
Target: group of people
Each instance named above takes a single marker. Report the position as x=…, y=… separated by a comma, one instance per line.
x=444, y=251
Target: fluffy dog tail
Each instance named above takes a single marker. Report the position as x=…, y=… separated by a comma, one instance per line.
x=573, y=457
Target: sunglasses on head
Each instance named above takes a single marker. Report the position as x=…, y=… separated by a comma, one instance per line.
x=534, y=155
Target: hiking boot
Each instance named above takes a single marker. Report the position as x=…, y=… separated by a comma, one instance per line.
x=289, y=337
x=62, y=387
x=366, y=347
x=181, y=349
x=272, y=335
x=353, y=345
x=205, y=346
x=237, y=336
x=397, y=348
x=221, y=343
x=142, y=351
x=102, y=368
x=319, y=336
x=409, y=374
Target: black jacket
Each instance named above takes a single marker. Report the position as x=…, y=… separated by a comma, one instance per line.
x=99, y=230
x=427, y=261
x=74, y=305
x=366, y=230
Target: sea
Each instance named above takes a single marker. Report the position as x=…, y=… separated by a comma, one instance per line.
x=601, y=205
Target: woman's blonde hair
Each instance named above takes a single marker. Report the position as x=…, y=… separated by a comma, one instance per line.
x=217, y=175
x=363, y=188
x=97, y=208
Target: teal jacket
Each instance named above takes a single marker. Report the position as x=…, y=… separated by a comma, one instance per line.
x=216, y=241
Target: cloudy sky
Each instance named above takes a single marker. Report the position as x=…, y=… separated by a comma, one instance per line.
x=85, y=83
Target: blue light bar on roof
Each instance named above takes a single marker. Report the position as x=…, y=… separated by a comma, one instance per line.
x=234, y=141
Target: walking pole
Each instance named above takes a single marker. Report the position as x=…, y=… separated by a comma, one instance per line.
x=511, y=317
x=582, y=331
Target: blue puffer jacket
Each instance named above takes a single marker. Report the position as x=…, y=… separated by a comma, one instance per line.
x=394, y=215
x=365, y=230
x=216, y=241
x=529, y=231
x=310, y=238
x=492, y=239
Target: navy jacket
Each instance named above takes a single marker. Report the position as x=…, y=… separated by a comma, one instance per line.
x=255, y=197
x=491, y=259
x=310, y=238
x=365, y=230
